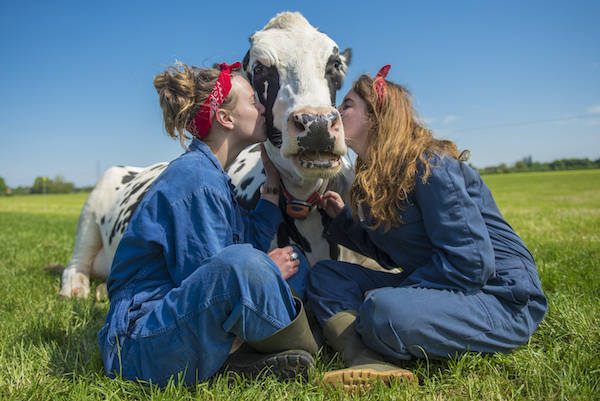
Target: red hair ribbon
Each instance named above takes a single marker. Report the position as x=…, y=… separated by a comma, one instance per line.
x=379, y=83
x=200, y=124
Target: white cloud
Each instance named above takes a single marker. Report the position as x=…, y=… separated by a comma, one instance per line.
x=449, y=119
x=595, y=109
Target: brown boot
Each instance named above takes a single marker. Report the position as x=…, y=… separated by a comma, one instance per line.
x=364, y=365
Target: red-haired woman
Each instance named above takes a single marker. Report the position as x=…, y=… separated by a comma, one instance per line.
x=468, y=282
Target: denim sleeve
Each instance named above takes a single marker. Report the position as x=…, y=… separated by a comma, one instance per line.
x=462, y=255
x=345, y=231
x=261, y=224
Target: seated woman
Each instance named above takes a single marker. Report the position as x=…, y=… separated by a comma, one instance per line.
x=191, y=273
x=468, y=282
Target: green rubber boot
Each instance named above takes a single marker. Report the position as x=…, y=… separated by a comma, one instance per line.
x=287, y=353
x=364, y=365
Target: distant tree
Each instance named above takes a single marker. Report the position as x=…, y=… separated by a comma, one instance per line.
x=527, y=164
x=21, y=190
x=3, y=186
x=58, y=185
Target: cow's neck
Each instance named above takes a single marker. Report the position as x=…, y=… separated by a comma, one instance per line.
x=304, y=189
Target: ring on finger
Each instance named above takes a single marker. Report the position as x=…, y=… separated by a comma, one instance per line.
x=293, y=256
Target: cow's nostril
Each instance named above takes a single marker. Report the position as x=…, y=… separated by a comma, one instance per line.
x=299, y=125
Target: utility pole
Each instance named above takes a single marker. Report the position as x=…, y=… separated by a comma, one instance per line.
x=44, y=191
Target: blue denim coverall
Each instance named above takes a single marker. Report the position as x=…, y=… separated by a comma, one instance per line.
x=184, y=282
x=468, y=283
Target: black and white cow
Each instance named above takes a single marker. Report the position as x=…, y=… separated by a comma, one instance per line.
x=295, y=71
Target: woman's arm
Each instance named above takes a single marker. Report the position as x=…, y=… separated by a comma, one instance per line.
x=345, y=231
x=463, y=256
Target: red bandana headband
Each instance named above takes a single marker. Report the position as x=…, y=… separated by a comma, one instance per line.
x=200, y=124
x=379, y=83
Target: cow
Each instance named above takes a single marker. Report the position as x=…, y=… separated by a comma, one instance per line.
x=295, y=71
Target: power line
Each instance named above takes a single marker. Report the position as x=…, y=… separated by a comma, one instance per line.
x=519, y=123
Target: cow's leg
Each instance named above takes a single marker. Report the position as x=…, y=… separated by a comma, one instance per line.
x=100, y=270
x=75, y=278
x=100, y=267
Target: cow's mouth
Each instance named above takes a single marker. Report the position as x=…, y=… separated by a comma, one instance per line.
x=320, y=163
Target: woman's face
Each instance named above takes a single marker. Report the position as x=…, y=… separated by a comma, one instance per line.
x=248, y=113
x=356, y=122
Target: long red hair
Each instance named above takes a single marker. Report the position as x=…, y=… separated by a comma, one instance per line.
x=398, y=141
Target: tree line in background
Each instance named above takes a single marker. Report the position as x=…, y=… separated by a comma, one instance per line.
x=58, y=185
x=43, y=185
x=528, y=165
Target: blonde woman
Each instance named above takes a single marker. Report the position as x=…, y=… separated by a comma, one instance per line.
x=191, y=273
x=468, y=282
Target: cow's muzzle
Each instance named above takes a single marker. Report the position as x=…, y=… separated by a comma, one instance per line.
x=315, y=141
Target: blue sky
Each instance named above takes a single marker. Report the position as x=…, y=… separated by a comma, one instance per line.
x=504, y=79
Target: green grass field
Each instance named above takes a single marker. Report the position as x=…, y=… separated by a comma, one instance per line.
x=48, y=348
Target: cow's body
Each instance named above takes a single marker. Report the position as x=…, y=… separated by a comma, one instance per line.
x=295, y=71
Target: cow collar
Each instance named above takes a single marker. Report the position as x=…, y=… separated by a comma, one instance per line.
x=298, y=209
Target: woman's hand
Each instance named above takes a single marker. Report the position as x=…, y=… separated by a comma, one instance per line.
x=332, y=203
x=271, y=172
x=283, y=259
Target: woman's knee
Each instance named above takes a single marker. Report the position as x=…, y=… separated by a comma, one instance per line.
x=392, y=319
x=247, y=263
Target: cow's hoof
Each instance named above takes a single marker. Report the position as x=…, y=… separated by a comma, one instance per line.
x=75, y=286
x=101, y=293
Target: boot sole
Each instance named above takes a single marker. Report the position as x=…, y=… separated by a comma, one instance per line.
x=286, y=365
x=361, y=379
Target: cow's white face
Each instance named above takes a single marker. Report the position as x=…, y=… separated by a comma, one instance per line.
x=296, y=71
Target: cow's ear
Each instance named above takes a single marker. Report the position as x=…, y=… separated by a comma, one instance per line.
x=346, y=56
x=245, y=63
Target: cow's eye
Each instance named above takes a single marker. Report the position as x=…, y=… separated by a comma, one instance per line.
x=337, y=65
x=259, y=69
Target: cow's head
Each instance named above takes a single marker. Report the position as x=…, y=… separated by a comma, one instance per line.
x=296, y=71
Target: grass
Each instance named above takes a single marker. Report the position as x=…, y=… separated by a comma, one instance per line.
x=48, y=348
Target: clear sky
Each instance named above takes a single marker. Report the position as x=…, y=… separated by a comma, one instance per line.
x=505, y=79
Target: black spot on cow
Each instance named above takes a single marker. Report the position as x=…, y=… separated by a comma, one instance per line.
x=102, y=219
x=317, y=139
x=249, y=203
x=125, y=214
x=264, y=77
x=240, y=167
x=117, y=188
x=130, y=176
x=135, y=188
x=247, y=181
x=115, y=228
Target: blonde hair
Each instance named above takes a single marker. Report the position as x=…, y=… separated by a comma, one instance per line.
x=398, y=142
x=182, y=90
